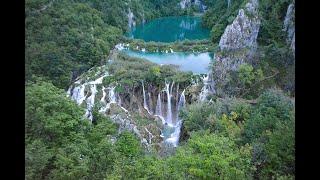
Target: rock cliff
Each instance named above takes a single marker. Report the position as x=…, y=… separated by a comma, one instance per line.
x=237, y=45
x=289, y=25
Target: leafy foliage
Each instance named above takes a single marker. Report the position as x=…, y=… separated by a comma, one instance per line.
x=227, y=138
x=65, y=39
x=219, y=16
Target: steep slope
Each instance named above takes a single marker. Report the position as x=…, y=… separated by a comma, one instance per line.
x=237, y=45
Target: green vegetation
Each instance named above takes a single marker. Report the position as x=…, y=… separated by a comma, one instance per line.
x=178, y=46
x=129, y=72
x=65, y=39
x=267, y=127
x=272, y=41
x=219, y=16
x=250, y=135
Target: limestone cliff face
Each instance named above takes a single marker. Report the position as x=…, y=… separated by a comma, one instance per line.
x=188, y=3
x=237, y=45
x=289, y=26
x=243, y=31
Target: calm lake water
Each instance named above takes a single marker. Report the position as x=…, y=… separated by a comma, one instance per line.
x=197, y=63
x=170, y=29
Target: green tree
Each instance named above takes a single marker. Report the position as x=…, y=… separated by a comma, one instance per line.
x=208, y=156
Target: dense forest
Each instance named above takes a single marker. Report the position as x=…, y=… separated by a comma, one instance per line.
x=245, y=130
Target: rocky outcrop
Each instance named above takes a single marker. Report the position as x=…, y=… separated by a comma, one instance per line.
x=243, y=31
x=289, y=25
x=188, y=3
x=237, y=45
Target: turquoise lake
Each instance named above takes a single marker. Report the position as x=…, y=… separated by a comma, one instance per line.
x=198, y=63
x=170, y=29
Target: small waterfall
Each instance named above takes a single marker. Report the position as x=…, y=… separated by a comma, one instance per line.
x=78, y=94
x=208, y=87
x=103, y=100
x=159, y=106
x=169, y=110
x=182, y=102
x=131, y=22
x=145, y=105
x=229, y=3
x=90, y=101
x=150, y=102
x=174, y=137
x=177, y=94
x=112, y=95
x=171, y=87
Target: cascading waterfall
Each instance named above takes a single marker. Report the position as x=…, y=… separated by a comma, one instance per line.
x=90, y=101
x=205, y=89
x=103, y=100
x=150, y=102
x=159, y=112
x=229, y=3
x=159, y=106
x=145, y=105
x=131, y=22
x=174, y=137
x=177, y=97
x=112, y=95
x=181, y=103
x=169, y=110
x=78, y=94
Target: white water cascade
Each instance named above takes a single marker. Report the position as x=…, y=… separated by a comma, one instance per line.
x=150, y=107
x=169, y=110
x=159, y=106
x=182, y=102
x=90, y=101
x=78, y=94
x=112, y=95
x=229, y=3
x=174, y=137
x=205, y=89
x=103, y=100
x=145, y=105
x=131, y=21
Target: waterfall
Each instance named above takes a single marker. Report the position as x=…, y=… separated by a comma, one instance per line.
x=169, y=111
x=145, y=105
x=131, y=22
x=181, y=103
x=150, y=102
x=229, y=3
x=177, y=95
x=159, y=106
x=112, y=95
x=205, y=89
x=174, y=137
x=171, y=87
x=78, y=94
x=112, y=99
x=90, y=101
x=103, y=95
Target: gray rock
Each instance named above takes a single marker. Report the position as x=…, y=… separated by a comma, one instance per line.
x=237, y=45
x=289, y=25
x=243, y=31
